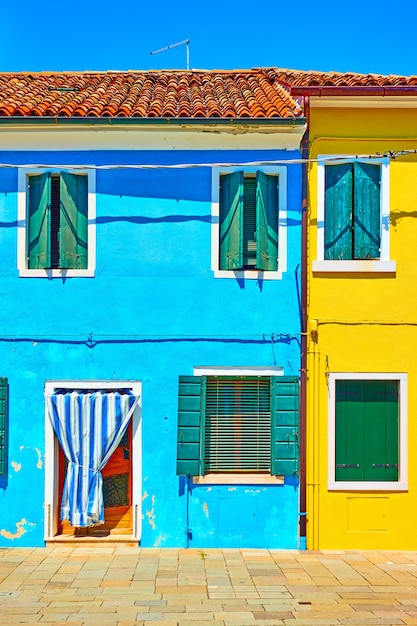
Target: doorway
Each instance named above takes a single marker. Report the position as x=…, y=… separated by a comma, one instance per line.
x=121, y=474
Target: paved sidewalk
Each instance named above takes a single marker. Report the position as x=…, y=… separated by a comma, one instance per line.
x=126, y=586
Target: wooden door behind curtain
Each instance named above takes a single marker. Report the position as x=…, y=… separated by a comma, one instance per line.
x=117, y=492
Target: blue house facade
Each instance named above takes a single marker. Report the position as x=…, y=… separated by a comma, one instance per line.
x=150, y=327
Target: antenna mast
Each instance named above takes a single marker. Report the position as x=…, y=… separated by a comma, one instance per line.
x=185, y=42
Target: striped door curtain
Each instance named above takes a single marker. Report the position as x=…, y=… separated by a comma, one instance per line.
x=89, y=425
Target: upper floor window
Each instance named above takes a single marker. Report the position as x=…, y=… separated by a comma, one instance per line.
x=57, y=221
x=57, y=236
x=352, y=211
x=353, y=217
x=249, y=222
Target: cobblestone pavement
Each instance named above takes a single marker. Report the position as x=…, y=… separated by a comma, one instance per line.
x=126, y=586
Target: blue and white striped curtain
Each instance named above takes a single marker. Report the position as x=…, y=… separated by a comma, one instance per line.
x=89, y=426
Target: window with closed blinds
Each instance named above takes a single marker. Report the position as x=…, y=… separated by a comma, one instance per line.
x=249, y=222
x=237, y=430
x=57, y=224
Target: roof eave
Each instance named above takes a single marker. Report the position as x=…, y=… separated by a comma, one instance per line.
x=152, y=121
x=359, y=90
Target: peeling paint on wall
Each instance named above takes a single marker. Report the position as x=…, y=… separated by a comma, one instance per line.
x=21, y=529
x=159, y=540
x=206, y=510
x=16, y=466
x=39, y=463
x=151, y=515
x=145, y=495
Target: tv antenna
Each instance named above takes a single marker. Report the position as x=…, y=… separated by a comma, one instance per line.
x=185, y=42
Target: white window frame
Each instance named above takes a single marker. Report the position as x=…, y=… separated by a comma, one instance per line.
x=51, y=516
x=229, y=478
x=383, y=264
x=22, y=212
x=281, y=172
x=402, y=483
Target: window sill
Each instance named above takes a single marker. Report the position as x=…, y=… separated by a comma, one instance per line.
x=367, y=266
x=55, y=273
x=367, y=486
x=248, y=274
x=238, y=479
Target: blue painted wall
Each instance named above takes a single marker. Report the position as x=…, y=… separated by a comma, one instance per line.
x=152, y=311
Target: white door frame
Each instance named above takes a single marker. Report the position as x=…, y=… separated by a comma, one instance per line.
x=51, y=505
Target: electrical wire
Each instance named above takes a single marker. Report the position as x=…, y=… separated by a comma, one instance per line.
x=391, y=154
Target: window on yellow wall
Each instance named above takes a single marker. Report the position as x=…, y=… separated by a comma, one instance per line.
x=353, y=220
x=367, y=431
x=352, y=211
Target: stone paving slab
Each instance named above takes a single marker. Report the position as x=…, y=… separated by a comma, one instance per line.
x=150, y=587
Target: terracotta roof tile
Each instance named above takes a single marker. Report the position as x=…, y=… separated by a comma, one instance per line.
x=171, y=93
x=311, y=78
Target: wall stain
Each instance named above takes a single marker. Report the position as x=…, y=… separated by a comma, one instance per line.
x=231, y=489
x=21, y=529
x=206, y=510
x=39, y=463
x=151, y=514
x=16, y=466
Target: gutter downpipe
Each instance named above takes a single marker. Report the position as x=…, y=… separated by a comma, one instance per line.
x=304, y=339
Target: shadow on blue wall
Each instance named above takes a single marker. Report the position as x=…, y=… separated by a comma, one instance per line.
x=90, y=342
x=4, y=479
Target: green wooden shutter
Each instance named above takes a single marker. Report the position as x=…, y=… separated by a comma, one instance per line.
x=366, y=211
x=285, y=412
x=73, y=221
x=381, y=430
x=237, y=434
x=231, y=221
x=191, y=398
x=266, y=222
x=3, y=426
x=38, y=231
x=367, y=430
x=350, y=424
x=338, y=212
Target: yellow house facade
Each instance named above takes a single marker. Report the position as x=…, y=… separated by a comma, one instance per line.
x=361, y=305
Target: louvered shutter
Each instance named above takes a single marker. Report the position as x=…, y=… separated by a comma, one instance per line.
x=367, y=211
x=267, y=222
x=285, y=410
x=38, y=227
x=3, y=426
x=73, y=221
x=237, y=424
x=190, y=416
x=231, y=221
x=338, y=212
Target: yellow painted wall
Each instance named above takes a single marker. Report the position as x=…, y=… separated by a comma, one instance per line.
x=366, y=323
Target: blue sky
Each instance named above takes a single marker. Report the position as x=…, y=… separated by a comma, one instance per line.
x=359, y=36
